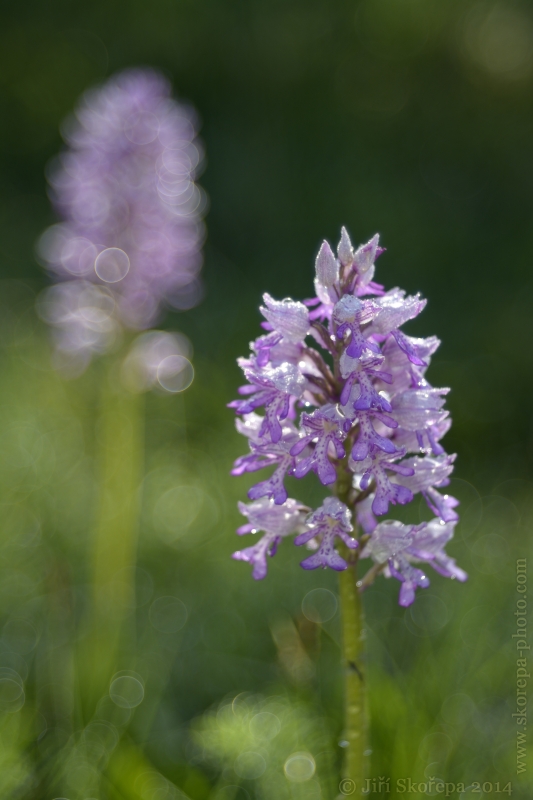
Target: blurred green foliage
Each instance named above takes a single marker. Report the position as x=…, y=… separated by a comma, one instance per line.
x=410, y=117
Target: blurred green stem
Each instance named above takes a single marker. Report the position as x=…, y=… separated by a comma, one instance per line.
x=120, y=445
x=355, y=734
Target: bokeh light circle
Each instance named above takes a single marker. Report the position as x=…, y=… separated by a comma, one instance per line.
x=142, y=128
x=11, y=695
x=430, y=613
x=126, y=690
x=175, y=373
x=490, y=553
x=319, y=605
x=265, y=725
x=249, y=765
x=299, y=767
x=112, y=265
x=20, y=636
x=168, y=614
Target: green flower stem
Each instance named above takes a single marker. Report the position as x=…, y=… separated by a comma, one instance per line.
x=356, y=760
x=355, y=705
x=119, y=458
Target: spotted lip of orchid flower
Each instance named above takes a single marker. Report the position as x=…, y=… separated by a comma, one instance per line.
x=332, y=519
x=362, y=416
x=326, y=426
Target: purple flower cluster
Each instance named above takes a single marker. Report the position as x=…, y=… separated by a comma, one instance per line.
x=369, y=424
x=132, y=230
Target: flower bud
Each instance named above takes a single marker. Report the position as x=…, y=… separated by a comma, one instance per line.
x=327, y=266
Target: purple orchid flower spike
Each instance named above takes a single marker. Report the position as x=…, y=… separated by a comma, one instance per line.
x=332, y=519
x=374, y=433
x=131, y=216
x=346, y=396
